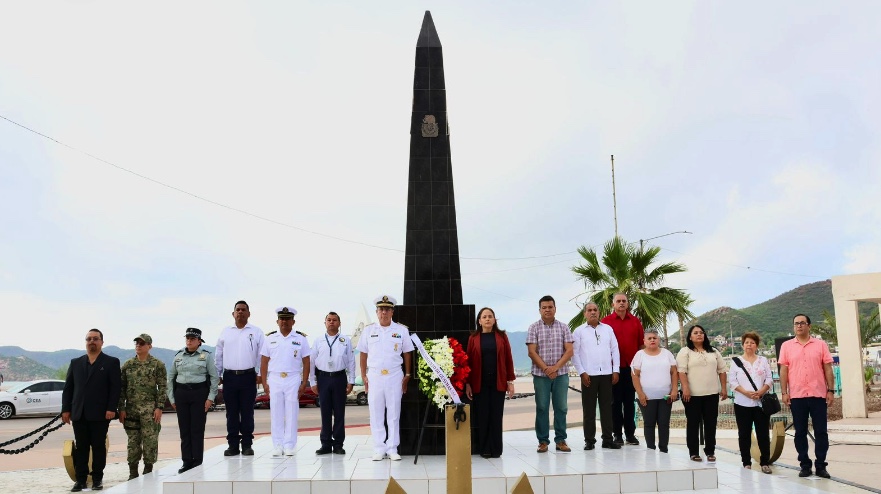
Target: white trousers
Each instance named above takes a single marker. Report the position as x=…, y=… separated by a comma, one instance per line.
x=284, y=408
x=385, y=392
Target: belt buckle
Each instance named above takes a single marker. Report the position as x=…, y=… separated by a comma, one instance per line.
x=385, y=372
x=284, y=374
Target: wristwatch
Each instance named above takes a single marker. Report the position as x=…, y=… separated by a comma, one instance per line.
x=830, y=391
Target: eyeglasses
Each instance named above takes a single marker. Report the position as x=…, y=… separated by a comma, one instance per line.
x=801, y=323
x=93, y=338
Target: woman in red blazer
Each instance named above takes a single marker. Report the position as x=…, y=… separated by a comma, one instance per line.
x=492, y=374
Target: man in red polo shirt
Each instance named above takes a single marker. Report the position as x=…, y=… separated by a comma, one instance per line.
x=629, y=333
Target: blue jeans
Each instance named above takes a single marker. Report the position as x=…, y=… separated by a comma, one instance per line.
x=549, y=390
x=801, y=408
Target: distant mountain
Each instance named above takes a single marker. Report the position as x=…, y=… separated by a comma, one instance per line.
x=772, y=318
x=21, y=368
x=61, y=358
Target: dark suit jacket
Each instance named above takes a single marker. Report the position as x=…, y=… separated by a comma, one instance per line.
x=91, y=390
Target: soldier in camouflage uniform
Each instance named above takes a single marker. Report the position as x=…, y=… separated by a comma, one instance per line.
x=140, y=404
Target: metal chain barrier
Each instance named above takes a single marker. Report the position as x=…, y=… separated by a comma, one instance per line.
x=29, y=434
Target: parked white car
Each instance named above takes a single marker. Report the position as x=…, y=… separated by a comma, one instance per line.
x=35, y=397
x=357, y=395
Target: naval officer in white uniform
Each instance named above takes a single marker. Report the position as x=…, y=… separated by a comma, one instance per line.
x=285, y=367
x=384, y=346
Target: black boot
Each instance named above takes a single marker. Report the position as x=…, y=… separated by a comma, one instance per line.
x=148, y=467
x=132, y=471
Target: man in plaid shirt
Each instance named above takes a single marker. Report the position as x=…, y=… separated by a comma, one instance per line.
x=549, y=342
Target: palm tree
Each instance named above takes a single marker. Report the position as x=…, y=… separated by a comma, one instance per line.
x=870, y=328
x=629, y=270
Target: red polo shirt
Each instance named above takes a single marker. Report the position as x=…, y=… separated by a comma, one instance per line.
x=629, y=333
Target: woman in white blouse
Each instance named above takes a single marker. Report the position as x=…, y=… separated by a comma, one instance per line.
x=703, y=378
x=747, y=401
x=657, y=387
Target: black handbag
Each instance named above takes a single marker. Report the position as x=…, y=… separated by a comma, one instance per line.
x=770, y=402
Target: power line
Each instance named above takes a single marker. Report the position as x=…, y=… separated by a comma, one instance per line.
x=245, y=212
x=749, y=268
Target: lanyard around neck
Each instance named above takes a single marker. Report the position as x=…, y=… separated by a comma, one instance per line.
x=330, y=343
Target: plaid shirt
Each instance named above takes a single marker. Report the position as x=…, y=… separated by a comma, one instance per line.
x=549, y=340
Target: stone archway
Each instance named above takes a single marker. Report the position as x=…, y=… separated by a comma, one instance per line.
x=847, y=291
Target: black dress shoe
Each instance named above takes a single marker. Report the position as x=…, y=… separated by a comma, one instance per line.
x=248, y=451
x=612, y=445
x=183, y=469
x=618, y=440
x=805, y=472
x=633, y=441
x=339, y=451
x=97, y=485
x=231, y=452
x=589, y=446
x=822, y=472
x=324, y=450
x=78, y=486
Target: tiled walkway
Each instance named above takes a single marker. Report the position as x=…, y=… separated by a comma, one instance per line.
x=632, y=469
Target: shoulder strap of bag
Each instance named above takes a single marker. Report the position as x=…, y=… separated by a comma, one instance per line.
x=740, y=364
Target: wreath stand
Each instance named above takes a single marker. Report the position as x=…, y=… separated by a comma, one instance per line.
x=425, y=425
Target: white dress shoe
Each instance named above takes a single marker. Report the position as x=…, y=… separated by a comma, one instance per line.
x=289, y=452
x=276, y=452
x=394, y=456
x=378, y=456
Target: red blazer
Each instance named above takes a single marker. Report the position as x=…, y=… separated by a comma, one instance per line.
x=504, y=362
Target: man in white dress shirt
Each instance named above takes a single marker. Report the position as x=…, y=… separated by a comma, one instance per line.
x=332, y=378
x=237, y=357
x=597, y=361
x=384, y=346
x=285, y=369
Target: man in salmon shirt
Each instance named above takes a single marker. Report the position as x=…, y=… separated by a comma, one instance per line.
x=808, y=386
x=629, y=333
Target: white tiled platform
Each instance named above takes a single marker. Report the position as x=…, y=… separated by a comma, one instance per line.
x=631, y=469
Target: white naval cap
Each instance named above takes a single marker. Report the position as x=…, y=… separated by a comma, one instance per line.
x=286, y=312
x=385, y=301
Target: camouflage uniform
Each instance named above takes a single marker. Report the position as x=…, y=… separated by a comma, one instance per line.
x=143, y=391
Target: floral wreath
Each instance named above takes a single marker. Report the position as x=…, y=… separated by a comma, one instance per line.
x=453, y=361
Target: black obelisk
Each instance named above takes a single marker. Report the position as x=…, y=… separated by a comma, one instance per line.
x=432, y=305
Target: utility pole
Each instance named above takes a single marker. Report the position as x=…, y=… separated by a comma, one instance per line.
x=614, y=199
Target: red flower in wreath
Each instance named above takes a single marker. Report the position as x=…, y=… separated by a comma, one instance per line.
x=460, y=366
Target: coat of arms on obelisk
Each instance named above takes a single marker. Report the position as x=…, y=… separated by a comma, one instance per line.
x=429, y=126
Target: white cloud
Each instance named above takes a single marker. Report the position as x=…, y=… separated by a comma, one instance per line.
x=761, y=141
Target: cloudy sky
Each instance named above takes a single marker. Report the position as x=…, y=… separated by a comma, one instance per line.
x=203, y=152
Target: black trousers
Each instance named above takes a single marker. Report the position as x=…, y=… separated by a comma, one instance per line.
x=191, y=416
x=701, y=410
x=332, y=399
x=623, y=407
x=239, y=394
x=600, y=390
x=816, y=409
x=746, y=417
x=656, y=413
x=90, y=434
x=489, y=406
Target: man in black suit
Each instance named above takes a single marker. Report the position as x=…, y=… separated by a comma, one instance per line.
x=91, y=393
